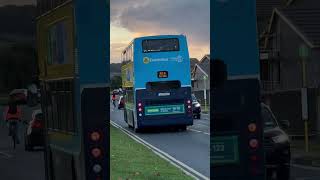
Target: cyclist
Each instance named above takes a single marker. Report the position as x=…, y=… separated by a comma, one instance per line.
x=113, y=97
x=12, y=114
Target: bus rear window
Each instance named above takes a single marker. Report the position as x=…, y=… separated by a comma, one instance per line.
x=160, y=45
x=163, y=85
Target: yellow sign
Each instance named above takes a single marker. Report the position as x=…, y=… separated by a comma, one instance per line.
x=146, y=60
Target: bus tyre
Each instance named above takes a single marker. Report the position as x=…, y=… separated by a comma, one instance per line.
x=183, y=128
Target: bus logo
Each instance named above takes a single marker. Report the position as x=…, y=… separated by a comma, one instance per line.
x=146, y=60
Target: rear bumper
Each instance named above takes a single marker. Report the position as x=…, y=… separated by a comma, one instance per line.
x=36, y=138
x=165, y=121
x=196, y=110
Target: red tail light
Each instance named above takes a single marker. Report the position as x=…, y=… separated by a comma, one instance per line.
x=254, y=143
x=36, y=124
x=96, y=152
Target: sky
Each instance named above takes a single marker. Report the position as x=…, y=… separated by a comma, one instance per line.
x=130, y=19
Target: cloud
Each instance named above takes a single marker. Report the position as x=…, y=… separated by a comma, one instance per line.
x=150, y=17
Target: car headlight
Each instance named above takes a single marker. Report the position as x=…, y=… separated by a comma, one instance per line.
x=280, y=138
x=197, y=105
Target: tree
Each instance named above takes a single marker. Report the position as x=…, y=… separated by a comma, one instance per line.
x=116, y=82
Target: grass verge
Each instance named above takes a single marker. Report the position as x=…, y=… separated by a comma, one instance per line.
x=133, y=161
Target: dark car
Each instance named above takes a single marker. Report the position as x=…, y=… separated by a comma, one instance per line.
x=121, y=102
x=196, y=107
x=19, y=95
x=277, y=145
x=34, y=134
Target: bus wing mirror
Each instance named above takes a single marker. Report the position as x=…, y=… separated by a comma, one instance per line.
x=218, y=72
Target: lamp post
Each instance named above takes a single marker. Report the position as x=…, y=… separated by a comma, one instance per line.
x=304, y=54
x=205, y=77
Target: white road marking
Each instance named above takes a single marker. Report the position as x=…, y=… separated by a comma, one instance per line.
x=5, y=154
x=203, y=124
x=185, y=168
x=191, y=129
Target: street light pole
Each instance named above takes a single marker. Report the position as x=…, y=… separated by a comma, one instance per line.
x=205, y=92
x=304, y=53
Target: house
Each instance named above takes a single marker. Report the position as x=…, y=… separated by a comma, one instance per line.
x=291, y=46
x=200, y=77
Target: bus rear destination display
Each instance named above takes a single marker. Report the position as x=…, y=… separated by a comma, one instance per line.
x=166, y=109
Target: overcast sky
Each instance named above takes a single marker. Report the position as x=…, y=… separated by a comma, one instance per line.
x=136, y=18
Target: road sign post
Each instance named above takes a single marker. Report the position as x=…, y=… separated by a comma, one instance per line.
x=304, y=54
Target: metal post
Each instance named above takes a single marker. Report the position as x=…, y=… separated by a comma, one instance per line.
x=205, y=92
x=305, y=119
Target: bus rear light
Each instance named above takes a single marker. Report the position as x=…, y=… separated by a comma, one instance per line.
x=252, y=127
x=140, y=114
x=96, y=152
x=97, y=168
x=139, y=104
x=189, y=107
x=140, y=109
x=95, y=136
x=253, y=158
x=253, y=143
x=189, y=102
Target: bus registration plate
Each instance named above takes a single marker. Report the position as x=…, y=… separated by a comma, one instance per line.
x=164, y=109
x=224, y=150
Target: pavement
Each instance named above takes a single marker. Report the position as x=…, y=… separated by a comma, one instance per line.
x=301, y=157
x=190, y=147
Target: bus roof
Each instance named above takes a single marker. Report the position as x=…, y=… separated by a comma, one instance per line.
x=158, y=37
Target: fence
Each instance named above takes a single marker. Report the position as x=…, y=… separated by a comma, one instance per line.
x=286, y=105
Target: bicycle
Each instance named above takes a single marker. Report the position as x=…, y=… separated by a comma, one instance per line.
x=13, y=132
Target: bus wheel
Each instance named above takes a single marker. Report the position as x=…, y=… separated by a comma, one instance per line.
x=183, y=128
x=136, y=130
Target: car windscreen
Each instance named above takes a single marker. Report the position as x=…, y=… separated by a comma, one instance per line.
x=194, y=99
x=268, y=119
x=160, y=45
x=39, y=116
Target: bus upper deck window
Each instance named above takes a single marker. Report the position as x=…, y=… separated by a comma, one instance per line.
x=163, y=85
x=160, y=45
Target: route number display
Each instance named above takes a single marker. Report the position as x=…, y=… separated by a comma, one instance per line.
x=224, y=150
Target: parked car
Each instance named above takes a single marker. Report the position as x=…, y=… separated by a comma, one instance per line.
x=196, y=107
x=34, y=134
x=277, y=145
x=19, y=95
x=121, y=102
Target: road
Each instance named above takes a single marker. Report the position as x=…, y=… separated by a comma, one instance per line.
x=18, y=164
x=190, y=147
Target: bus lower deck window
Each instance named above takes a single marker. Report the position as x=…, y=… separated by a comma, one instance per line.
x=163, y=85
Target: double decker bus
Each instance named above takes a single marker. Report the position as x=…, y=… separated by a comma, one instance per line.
x=237, y=150
x=157, y=82
x=72, y=49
